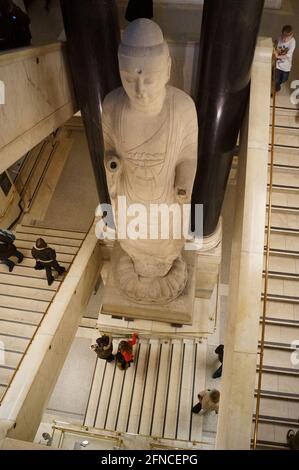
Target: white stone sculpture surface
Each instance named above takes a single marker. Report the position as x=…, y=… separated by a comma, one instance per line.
x=150, y=133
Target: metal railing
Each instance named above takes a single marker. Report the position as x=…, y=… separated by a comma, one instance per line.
x=118, y=437
x=267, y=258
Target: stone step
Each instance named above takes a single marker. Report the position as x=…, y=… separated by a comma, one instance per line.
x=282, y=276
x=279, y=354
x=286, y=218
x=285, y=136
x=25, y=295
x=279, y=395
x=283, y=261
x=20, y=303
x=13, y=343
x=285, y=156
x=61, y=257
x=49, y=239
x=282, y=311
x=26, y=268
x=154, y=397
x=20, y=316
x=282, y=322
x=41, y=294
x=284, y=241
x=273, y=407
x=285, y=196
x=10, y=358
x=59, y=248
x=13, y=279
x=43, y=232
x=17, y=329
x=286, y=118
x=283, y=287
x=6, y=374
x=281, y=298
x=281, y=209
x=273, y=433
x=281, y=333
x=279, y=382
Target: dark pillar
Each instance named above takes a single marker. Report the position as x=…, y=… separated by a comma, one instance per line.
x=139, y=9
x=93, y=36
x=227, y=46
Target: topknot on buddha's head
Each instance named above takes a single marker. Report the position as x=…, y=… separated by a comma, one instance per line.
x=143, y=37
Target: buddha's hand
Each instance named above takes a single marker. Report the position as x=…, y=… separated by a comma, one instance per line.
x=182, y=195
x=105, y=225
x=113, y=165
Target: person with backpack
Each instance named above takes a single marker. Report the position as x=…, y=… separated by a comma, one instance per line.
x=208, y=401
x=8, y=249
x=14, y=26
x=124, y=356
x=103, y=348
x=45, y=258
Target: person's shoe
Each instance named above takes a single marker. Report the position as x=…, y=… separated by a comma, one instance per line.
x=61, y=271
x=50, y=282
x=38, y=267
x=11, y=268
x=217, y=374
x=21, y=259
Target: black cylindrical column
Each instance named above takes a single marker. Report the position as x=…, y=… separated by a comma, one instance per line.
x=227, y=45
x=139, y=9
x=93, y=35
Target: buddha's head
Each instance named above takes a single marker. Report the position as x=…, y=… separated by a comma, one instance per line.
x=145, y=64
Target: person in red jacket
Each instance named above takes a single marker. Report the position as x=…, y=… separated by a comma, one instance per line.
x=125, y=356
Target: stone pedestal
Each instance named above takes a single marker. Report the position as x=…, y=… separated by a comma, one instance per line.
x=196, y=308
x=179, y=311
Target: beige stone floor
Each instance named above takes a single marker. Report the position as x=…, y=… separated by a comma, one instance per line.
x=75, y=199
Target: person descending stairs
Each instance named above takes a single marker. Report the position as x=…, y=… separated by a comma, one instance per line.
x=46, y=259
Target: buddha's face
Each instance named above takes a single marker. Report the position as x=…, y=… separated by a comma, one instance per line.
x=145, y=81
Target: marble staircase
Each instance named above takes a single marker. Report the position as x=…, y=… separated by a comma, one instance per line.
x=279, y=410
x=155, y=395
x=25, y=296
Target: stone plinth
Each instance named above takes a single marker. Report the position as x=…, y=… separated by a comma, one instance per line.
x=196, y=309
x=179, y=311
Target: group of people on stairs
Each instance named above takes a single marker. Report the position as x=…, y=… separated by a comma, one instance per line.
x=45, y=257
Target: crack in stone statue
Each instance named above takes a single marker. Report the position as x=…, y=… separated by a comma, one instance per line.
x=150, y=133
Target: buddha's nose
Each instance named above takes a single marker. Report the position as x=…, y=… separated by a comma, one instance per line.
x=139, y=87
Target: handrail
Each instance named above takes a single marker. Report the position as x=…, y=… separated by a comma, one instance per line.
x=19, y=55
x=266, y=278
x=118, y=436
x=146, y=334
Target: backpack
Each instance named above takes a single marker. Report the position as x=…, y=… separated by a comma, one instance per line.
x=6, y=236
x=121, y=363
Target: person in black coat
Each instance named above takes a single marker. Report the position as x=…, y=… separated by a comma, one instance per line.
x=9, y=250
x=220, y=351
x=45, y=258
x=293, y=439
x=103, y=348
x=14, y=26
x=139, y=9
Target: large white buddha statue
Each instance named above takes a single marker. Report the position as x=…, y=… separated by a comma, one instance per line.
x=150, y=134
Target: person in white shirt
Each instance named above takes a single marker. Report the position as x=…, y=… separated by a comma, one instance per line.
x=284, y=50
